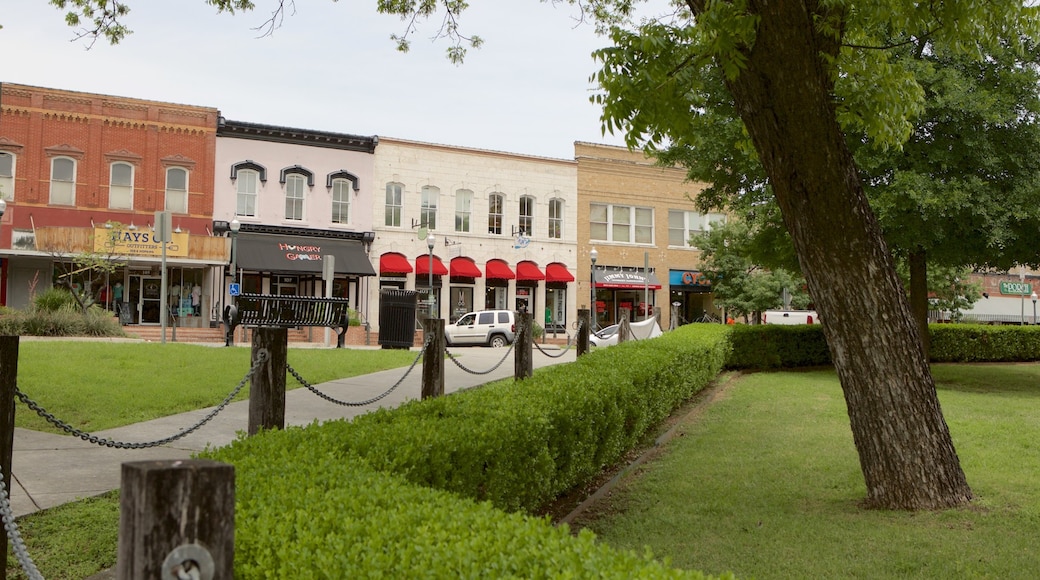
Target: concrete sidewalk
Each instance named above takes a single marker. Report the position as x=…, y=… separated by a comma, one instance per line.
x=49, y=470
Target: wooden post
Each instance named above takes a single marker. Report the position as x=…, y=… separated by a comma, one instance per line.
x=623, y=331
x=433, y=358
x=176, y=519
x=267, y=384
x=8, y=382
x=584, y=329
x=523, y=355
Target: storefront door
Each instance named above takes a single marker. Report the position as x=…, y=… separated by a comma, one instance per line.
x=146, y=297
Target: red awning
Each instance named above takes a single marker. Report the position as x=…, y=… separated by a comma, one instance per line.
x=498, y=270
x=528, y=271
x=557, y=272
x=393, y=263
x=422, y=266
x=464, y=268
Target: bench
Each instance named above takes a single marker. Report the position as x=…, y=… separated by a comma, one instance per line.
x=273, y=311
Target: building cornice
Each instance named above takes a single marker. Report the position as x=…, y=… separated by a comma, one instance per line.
x=276, y=134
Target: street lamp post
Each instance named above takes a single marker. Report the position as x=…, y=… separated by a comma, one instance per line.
x=235, y=227
x=1033, y=297
x=429, y=246
x=593, y=254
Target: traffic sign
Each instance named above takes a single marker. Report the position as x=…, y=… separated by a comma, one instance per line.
x=234, y=288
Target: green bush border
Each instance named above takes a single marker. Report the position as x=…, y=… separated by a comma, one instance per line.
x=307, y=499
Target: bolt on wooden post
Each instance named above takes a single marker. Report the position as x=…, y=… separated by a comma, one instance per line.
x=433, y=358
x=267, y=383
x=176, y=520
x=523, y=363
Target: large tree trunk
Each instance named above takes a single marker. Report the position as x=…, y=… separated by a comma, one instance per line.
x=918, y=264
x=784, y=96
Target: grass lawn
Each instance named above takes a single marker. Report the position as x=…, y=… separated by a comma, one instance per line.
x=767, y=484
x=100, y=385
x=764, y=483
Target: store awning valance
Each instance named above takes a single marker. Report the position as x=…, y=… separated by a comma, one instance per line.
x=394, y=263
x=422, y=266
x=464, y=268
x=557, y=272
x=626, y=278
x=286, y=253
x=498, y=270
x=528, y=271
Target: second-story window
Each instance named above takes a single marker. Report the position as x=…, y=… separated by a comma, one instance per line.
x=295, y=185
x=121, y=186
x=7, y=175
x=428, y=209
x=246, y=182
x=341, y=201
x=496, y=201
x=621, y=223
x=684, y=227
x=177, y=190
x=394, y=202
x=527, y=215
x=555, y=218
x=463, y=209
x=63, y=181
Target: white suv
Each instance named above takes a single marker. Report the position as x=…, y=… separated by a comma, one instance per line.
x=491, y=327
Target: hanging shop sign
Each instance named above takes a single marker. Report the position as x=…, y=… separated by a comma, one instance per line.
x=138, y=242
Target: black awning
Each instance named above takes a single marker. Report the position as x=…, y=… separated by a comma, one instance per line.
x=283, y=253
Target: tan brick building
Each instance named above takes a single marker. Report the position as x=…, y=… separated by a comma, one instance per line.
x=638, y=214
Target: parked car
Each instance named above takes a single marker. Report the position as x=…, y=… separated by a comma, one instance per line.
x=491, y=327
x=639, y=330
x=790, y=317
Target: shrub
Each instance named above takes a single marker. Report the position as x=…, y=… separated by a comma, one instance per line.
x=54, y=299
x=980, y=343
x=768, y=346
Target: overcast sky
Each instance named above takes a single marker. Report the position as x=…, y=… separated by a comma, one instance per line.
x=332, y=66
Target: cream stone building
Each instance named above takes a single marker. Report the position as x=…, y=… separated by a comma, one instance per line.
x=503, y=229
x=639, y=218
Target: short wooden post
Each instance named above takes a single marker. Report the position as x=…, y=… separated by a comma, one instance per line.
x=8, y=382
x=523, y=351
x=624, y=332
x=176, y=520
x=433, y=358
x=267, y=383
x=584, y=328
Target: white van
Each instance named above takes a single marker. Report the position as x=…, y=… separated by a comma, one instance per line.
x=790, y=317
x=491, y=327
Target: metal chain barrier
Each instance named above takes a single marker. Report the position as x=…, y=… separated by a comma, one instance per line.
x=14, y=536
x=562, y=352
x=487, y=372
x=314, y=390
x=262, y=356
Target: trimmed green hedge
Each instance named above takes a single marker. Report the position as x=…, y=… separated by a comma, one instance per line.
x=983, y=343
x=771, y=346
x=355, y=497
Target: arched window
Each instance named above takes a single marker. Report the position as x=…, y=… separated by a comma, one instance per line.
x=294, y=190
x=7, y=175
x=121, y=185
x=394, y=202
x=428, y=209
x=341, y=189
x=555, y=218
x=247, y=185
x=63, y=181
x=496, y=203
x=527, y=215
x=177, y=190
x=463, y=209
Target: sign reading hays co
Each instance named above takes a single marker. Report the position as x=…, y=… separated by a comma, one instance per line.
x=137, y=243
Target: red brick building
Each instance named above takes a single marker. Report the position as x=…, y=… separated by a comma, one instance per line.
x=86, y=173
